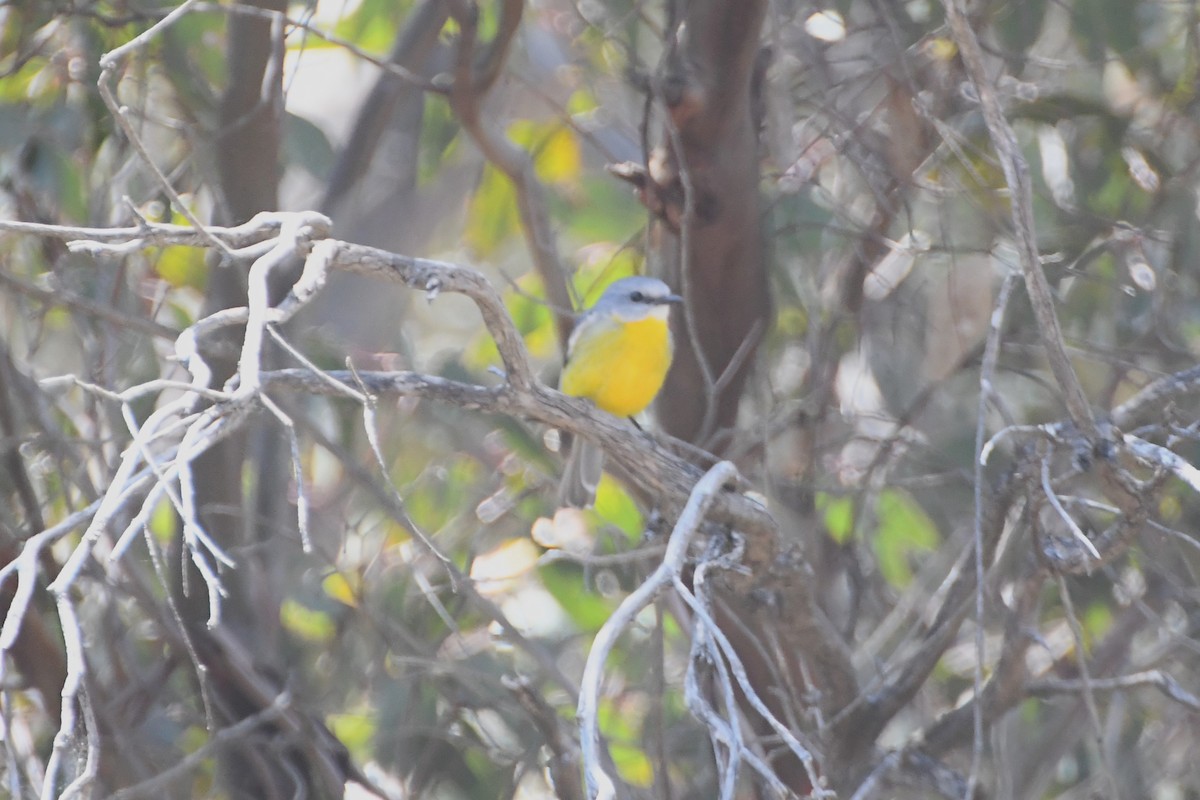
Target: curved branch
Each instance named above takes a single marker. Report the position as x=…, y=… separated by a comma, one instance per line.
x=708, y=488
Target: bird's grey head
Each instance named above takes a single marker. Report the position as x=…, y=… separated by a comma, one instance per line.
x=637, y=298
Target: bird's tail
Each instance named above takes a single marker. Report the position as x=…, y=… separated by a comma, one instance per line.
x=581, y=475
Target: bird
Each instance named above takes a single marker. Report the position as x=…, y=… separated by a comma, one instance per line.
x=618, y=355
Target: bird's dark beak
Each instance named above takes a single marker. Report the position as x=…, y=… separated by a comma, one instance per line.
x=671, y=298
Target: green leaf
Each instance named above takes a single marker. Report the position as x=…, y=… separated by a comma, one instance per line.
x=435, y=501
x=838, y=513
x=527, y=306
x=179, y=265
x=603, y=210
x=373, y=24
x=194, y=49
x=163, y=522
x=616, y=507
x=307, y=146
x=439, y=140
x=605, y=262
x=581, y=102
x=182, y=266
x=1097, y=621
x=27, y=84
x=617, y=722
x=588, y=611
x=903, y=530
x=203, y=779
x=356, y=731
x=56, y=175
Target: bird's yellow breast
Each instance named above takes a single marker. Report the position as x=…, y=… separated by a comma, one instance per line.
x=620, y=366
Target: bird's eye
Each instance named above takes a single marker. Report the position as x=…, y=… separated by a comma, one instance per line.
x=637, y=297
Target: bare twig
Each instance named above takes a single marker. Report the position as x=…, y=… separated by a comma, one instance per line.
x=109, y=63
x=118, y=241
x=987, y=377
x=1089, y=697
x=64, y=297
x=193, y=760
x=1154, y=395
x=1155, y=679
x=1071, y=524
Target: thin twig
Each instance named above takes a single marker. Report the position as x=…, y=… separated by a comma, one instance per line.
x=1155, y=679
x=1089, y=697
x=686, y=225
x=987, y=377
x=738, y=670
x=1016, y=175
x=64, y=297
x=195, y=759
x=1073, y=526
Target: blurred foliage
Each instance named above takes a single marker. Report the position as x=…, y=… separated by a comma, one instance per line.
x=406, y=668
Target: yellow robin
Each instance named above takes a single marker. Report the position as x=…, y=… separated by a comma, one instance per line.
x=617, y=357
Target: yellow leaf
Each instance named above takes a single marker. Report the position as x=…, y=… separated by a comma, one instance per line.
x=306, y=623
x=941, y=49
x=343, y=587
x=492, y=215
x=633, y=765
x=356, y=731
x=182, y=266
x=552, y=145
x=558, y=160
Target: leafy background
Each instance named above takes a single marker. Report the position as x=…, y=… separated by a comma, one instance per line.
x=869, y=135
